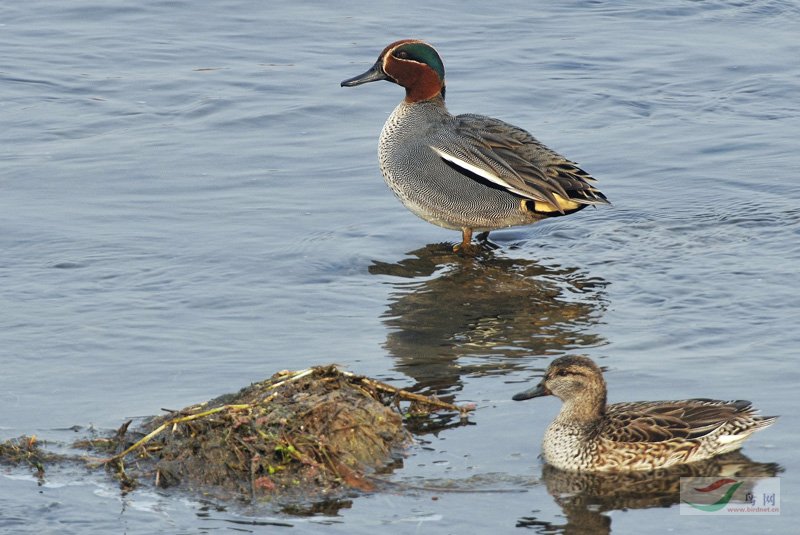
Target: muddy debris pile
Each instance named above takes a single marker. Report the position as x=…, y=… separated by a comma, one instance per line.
x=26, y=450
x=297, y=436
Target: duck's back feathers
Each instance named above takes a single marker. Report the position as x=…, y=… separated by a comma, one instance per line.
x=690, y=419
x=511, y=158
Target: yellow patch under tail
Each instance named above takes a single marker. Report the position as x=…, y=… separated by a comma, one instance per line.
x=565, y=206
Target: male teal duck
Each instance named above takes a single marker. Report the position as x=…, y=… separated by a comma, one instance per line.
x=467, y=172
x=588, y=435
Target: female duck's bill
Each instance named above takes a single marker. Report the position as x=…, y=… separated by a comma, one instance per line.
x=536, y=392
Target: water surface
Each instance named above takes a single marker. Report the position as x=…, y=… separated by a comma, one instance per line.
x=190, y=202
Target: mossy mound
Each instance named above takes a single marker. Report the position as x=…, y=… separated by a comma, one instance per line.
x=299, y=437
x=304, y=435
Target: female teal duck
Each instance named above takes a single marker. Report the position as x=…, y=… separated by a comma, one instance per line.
x=588, y=435
x=466, y=172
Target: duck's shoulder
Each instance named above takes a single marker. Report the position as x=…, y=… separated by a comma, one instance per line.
x=492, y=130
x=514, y=144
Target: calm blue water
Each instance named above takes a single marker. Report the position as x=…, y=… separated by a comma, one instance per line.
x=189, y=202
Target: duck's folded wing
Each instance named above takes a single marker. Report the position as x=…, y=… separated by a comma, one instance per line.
x=510, y=158
x=666, y=420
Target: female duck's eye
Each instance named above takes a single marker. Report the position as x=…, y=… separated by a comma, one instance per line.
x=562, y=373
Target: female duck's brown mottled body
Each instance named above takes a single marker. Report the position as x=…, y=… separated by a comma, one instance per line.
x=467, y=172
x=589, y=435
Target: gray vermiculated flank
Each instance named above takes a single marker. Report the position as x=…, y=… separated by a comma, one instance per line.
x=429, y=187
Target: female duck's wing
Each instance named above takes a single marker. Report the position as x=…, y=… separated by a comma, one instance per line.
x=507, y=157
x=659, y=421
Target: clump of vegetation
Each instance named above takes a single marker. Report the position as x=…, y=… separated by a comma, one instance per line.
x=25, y=450
x=304, y=436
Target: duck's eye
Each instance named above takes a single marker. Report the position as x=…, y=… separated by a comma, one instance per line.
x=401, y=54
x=562, y=373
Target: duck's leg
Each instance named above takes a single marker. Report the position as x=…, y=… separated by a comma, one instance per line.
x=466, y=237
x=466, y=246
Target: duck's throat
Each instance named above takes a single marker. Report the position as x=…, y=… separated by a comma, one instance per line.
x=584, y=410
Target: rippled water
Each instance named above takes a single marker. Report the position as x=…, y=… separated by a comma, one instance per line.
x=189, y=202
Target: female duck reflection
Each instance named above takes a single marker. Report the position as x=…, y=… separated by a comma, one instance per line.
x=585, y=496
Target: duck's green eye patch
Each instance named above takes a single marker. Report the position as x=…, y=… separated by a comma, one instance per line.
x=422, y=53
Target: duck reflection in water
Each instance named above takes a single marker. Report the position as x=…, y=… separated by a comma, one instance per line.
x=451, y=316
x=585, y=496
